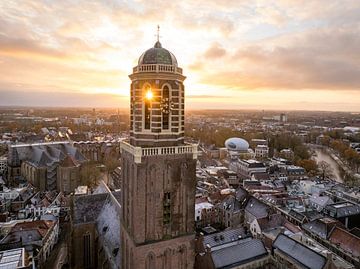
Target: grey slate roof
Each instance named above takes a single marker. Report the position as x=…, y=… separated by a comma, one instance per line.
x=231, y=204
x=26, y=193
x=297, y=215
x=44, y=154
x=223, y=237
x=321, y=200
x=340, y=210
x=298, y=252
x=239, y=252
x=271, y=222
x=117, y=195
x=86, y=208
x=108, y=226
x=312, y=215
x=320, y=227
x=241, y=194
x=256, y=208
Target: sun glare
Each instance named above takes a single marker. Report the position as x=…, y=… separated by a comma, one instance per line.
x=149, y=95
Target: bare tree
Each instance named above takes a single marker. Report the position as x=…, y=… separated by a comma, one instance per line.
x=325, y=170
x=111, y=163
x=89, y=174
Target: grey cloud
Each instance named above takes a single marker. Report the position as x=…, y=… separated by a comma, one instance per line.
x=319, y=59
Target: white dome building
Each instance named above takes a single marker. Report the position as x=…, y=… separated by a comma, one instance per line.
x=239, y=148
x=237, y=144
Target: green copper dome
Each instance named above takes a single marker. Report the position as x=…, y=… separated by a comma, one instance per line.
x=157, y=55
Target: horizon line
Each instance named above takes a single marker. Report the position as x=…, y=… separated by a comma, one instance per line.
x=192, y=109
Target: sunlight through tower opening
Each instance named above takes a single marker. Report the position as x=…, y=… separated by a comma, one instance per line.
x=149, y=95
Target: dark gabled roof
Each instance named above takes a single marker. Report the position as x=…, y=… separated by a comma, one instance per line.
x=297, y=215
x=256, y=165
x=355, y=231
x=117, y=196
x=309, y=215
x=251, y=183
x=26, y=193
x=299, y=253
x=230, y=203
x=241, y=194
x=344, y=209
x=86, y=208
x=223, y=237
x=46, y=154
x=261, y=176
x=312, y=215
x=321, y=200
x=237, y=253
x=256, y=208
x=321, y=227
x=271, y=222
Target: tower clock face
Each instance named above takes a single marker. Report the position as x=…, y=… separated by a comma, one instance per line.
x=166, y=105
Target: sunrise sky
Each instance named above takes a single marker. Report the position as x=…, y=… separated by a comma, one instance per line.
x=237, y=54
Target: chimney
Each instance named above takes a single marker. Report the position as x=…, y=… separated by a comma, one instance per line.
x=329, y=256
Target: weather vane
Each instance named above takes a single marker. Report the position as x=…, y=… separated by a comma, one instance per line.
x=158, y=33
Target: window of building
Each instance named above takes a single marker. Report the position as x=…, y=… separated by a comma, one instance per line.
x=150, y=261
x=165, y=108
x=87, y=250
x=167, y=208
x=147, y=99
x=147, y=114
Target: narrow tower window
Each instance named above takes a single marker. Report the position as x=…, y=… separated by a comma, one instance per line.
x=165, y=108
x=147, y=108
x=167, y=208
x=87, y=250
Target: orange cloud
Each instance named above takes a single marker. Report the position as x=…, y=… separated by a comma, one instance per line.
x=225, y=49
x=215, y=51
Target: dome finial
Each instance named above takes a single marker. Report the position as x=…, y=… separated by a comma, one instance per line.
x=158, y=44
x=158, y=33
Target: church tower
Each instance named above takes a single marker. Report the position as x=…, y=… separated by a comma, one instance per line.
x=158, y=169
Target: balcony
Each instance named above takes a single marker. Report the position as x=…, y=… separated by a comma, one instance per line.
x=156, y=68
x=139, y=152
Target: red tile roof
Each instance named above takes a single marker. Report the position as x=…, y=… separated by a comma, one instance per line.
x=291, y=227
x=346, y=241
x=42, y=226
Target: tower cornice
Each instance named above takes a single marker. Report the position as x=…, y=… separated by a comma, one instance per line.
x=164, y=76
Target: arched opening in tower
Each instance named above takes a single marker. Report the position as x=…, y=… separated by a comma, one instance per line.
x=165, y=108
